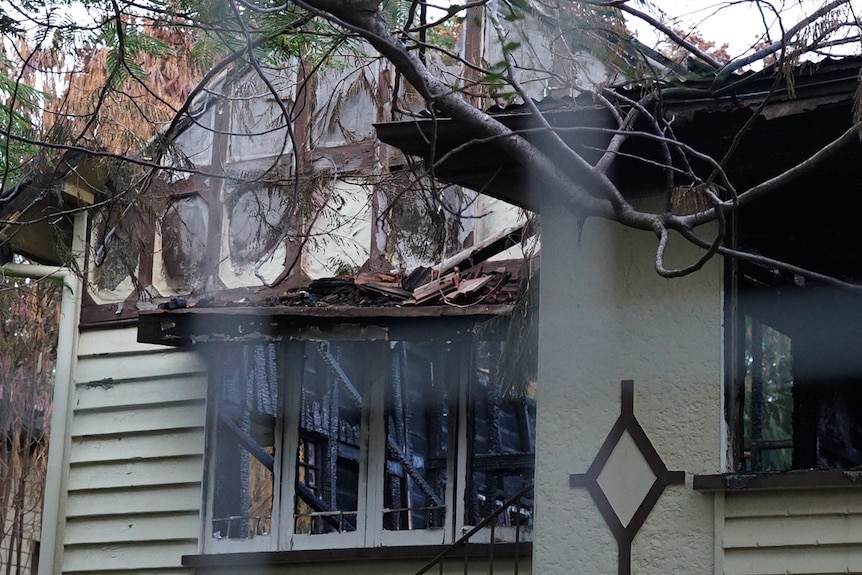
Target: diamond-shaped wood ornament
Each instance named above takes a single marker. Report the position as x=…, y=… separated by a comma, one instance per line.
x=626, y=423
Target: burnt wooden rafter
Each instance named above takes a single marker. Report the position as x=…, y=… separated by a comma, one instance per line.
x=248, y=442
x=410, y=470
x=626, y=422
x=335, y=367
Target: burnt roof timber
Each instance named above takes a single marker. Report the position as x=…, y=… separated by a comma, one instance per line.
x=482, y=167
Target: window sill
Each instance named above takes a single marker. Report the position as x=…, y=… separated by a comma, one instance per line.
x=797, y=479
x=406, y=553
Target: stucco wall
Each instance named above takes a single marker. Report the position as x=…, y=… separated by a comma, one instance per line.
x=607, y=316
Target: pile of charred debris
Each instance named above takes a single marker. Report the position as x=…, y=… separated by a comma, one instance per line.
x=489, y=283
x=465, y=279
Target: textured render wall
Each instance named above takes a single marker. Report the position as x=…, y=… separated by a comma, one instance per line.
x=607, y=316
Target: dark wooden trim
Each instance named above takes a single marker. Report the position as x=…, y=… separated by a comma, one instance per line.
x=191, y=326
x=337, y=312
x=400, y=553
x=95, y=314
x=111, y=324
x=800, y=479
x=473, y=51
x=304, y=102
x=626, y=422
x=348, y=157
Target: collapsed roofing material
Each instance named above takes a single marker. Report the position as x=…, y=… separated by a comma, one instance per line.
x=466, y=278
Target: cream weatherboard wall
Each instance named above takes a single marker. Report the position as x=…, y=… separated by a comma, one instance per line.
x=791, y=531
x=607, y=316
x=133, y=490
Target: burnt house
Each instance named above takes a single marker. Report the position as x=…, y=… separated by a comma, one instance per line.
x=285, y=386
x=269, y=362
x=744, y=378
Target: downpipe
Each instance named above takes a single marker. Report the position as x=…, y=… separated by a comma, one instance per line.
x=53, y=513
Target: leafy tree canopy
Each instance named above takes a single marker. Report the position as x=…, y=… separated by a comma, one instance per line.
x=105, y=78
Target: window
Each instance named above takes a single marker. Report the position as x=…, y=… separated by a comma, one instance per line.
x=768, y=396
x=325, y=444
x=185, y=229
x=796, y=375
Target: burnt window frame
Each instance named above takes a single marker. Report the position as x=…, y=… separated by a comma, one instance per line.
x=370, y=531
x=805, y=313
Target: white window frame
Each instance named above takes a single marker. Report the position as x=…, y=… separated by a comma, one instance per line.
x=369, y=523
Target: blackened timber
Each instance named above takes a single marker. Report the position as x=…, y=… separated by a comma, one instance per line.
x=191, y=326
x=488, y=248
x=796, y=479
x=248, y=442
x=394, y=452
x=359, y=554
x=335, y=367
x=503, y=462
x=313, y=501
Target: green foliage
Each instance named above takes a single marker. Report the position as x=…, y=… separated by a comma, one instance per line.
x=18, y=105
x=125, y=44
x=447, y=34
x=769, y=359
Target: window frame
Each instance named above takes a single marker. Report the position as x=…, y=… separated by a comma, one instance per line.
x=787, y=305
x=370, y=532
x=372, y=462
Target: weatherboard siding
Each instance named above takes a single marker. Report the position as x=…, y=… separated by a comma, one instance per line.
x=136, y=457
x=792, y=531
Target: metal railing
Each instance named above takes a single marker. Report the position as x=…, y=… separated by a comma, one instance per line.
x=490, y=522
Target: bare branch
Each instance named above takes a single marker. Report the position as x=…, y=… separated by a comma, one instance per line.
x=780, y=44
x=669, y=32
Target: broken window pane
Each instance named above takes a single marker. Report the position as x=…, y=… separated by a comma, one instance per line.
x=256, y=217
x=416, y=420
x=795, y=369
x=117, y=248
x=768, y=414
x=502, y=449
x=185, y=227
x=370, y=418
x=246, y=413
x=328, y=457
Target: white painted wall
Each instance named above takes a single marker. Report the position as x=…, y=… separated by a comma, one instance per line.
x=607, y=316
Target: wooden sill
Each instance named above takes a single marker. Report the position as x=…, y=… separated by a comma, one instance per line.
x=796, y=479
x=418, y=553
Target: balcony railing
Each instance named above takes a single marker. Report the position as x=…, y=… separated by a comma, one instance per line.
x=515, y=508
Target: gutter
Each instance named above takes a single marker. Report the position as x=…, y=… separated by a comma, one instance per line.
x=53, y=511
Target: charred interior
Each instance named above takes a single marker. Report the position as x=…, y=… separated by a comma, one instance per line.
x=352, y=422
x=794, y=342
